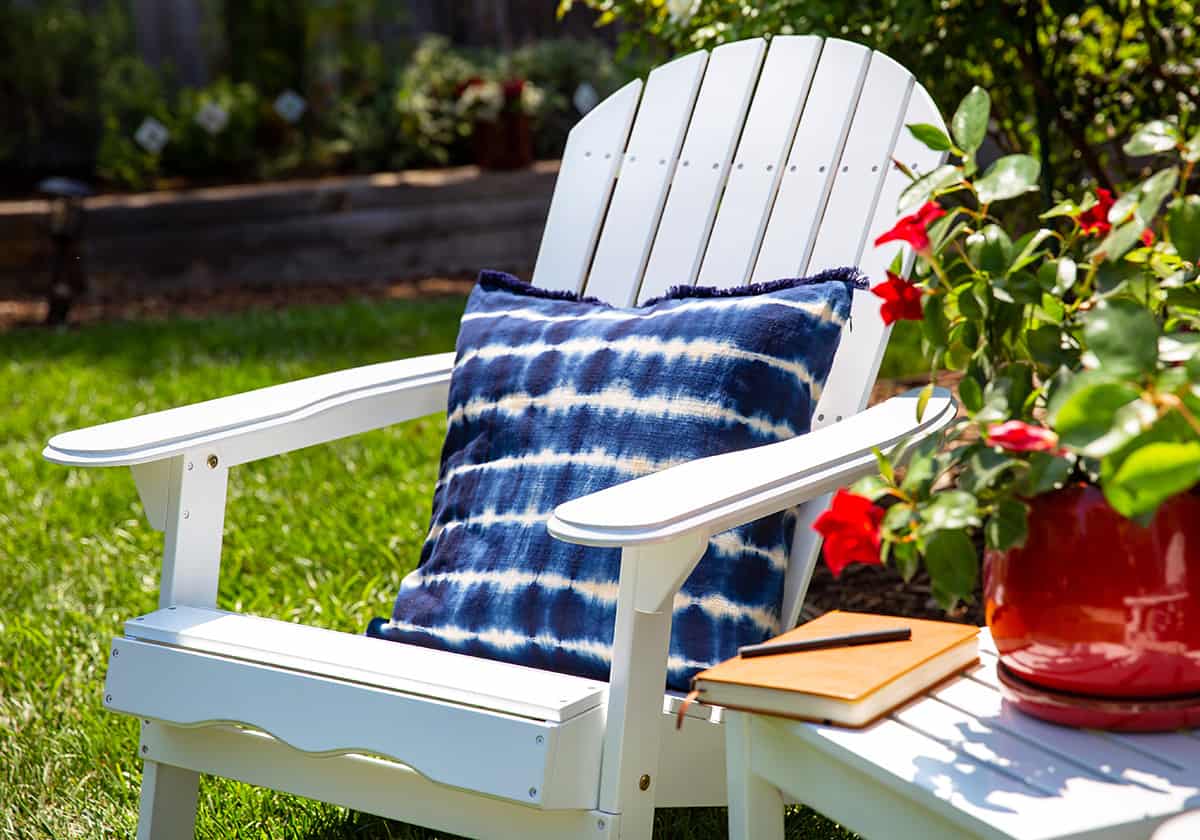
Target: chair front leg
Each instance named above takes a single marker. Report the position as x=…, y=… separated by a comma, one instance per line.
x=194, y=519
x=641, y=639
x=168, y=804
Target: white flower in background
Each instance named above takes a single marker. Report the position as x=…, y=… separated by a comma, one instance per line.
x=681, y=11
x=532, y=98
x=212, y=118
x=481, y=101
x=290, y=106
x=586, y=98
x=152, y=135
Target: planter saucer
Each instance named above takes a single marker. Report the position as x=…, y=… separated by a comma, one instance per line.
x=1121, y=714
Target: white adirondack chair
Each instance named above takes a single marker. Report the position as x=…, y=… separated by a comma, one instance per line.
x=748, y=164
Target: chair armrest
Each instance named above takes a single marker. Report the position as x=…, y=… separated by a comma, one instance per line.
x=710, y=495
x=268, y=421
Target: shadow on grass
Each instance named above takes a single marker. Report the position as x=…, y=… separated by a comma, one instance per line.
x=669, y=824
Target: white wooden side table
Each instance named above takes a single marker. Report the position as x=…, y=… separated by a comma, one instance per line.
x=958, y=763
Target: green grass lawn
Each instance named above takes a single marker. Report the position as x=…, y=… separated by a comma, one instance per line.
x=321, y=536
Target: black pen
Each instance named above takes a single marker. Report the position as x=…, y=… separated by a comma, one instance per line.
x=895, y=634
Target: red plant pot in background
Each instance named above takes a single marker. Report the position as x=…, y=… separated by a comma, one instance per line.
x=1096, y=618
x=505, y=143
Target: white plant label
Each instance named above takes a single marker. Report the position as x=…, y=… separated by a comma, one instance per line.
x=290, y=106
x=152, y=135
x=585, y=98
x=212, y=118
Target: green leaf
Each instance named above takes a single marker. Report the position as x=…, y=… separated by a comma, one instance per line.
x=1119, y=240
x=1151, y=475
x=1008, y=526
x=1045, y=347
x=920, y=190
x=1183, y=224
x=972, y=396
x=932, y=136
x=904, y=554
x=1063, y=208
x=885, y=466
x=1027, y=248
x=1152, y=192
x=1191, y=149
x=968, y=304
x=1051, y=310
x=1017, y=287
x=984, y=468
x=1046, y=472
x=970, y=121
x=871, y=487
x=933, y=325
x=990, y=249
x=920, y=468
x=898, y=519
x=1188, y=296
x=953, y=566
x=1010, y=176
x=1098, y=417
x=1153, y=137
x=1124, y=336
x=923, y=401
x=950, y=510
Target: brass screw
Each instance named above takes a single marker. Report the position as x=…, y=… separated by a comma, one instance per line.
x=212, y=462
x=644, y=782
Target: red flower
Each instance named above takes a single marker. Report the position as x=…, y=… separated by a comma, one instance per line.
x=912, y=229
x=1017, y=436
x=851, y=531
x=512, y=89
x=1147, y=237
x=461, y=87
x=1094, y=221
x=901, y=299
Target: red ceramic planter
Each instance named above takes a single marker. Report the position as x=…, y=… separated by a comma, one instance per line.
x=1096, y=618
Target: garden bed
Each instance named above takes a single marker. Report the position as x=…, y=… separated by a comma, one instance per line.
x=357, y=229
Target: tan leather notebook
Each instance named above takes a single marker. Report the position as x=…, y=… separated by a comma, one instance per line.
x=851, y=686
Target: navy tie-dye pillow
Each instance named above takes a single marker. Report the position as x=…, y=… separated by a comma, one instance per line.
x=553, y=397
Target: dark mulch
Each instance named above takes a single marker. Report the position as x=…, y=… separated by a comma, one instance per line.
x=880, y=589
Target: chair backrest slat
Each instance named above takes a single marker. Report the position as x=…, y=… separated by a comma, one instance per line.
x=861, y=352
x=815, y=188
x=860, y=172
x=646, y=172
x=808, y=176
x=703, y=167
x=585, y=181
x=750, y=191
